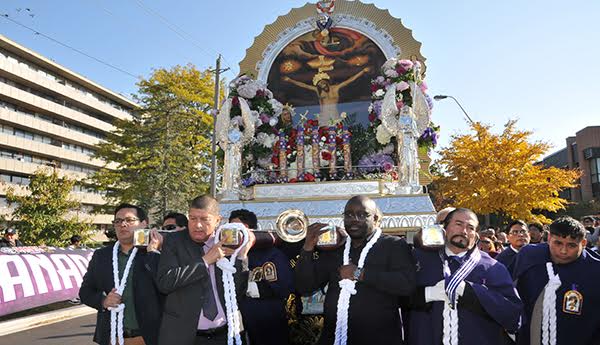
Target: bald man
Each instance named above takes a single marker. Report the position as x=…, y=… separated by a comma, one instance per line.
x=387, y=274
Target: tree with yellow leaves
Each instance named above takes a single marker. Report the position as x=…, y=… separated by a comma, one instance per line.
x=496, y=173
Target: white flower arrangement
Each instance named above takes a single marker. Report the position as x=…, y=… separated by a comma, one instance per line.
x=277, y=107
x=383, y=136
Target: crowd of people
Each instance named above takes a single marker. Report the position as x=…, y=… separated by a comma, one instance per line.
x=189, y=288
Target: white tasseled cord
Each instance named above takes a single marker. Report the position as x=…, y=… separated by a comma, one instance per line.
x=450, y=332
x=348, y=289
x=549, y=310
x=117, y=313
x=234, y=324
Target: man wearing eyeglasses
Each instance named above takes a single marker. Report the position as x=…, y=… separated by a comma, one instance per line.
x=518, y=237
x=142, y=300
x=387, y=274
x=175, y=222
x=463, y=296
x=195, y=310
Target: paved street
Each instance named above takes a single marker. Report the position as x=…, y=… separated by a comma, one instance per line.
x=78, y=331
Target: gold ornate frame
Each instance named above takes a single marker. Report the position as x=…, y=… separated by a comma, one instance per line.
x=388, y=32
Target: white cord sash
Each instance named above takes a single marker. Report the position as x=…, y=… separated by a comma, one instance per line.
x=234, y=324
x=117, y=313
x=450, y=313
x=348, y=288
x=549, y=314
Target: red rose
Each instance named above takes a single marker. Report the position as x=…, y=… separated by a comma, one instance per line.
x=372, y=117
x=374, y=87
x=235, y=102
x=326, y=155
x=275, y=160
x=339, y=141
x=308, y=177
x=293, y=180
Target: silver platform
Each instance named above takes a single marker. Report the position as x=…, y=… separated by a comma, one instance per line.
x=324, y=202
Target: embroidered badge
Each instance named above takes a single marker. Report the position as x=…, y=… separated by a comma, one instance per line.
x=573, y=301
x=269, y=271
x=257, y=274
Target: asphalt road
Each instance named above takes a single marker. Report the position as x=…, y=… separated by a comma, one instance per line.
x=78, y=331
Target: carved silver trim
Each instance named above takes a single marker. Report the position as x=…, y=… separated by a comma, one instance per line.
x=399, y=211
x=379, y=36
x=317, y=190
x=388, y=222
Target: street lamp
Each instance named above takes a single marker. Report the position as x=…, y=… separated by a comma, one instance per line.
x=441, y=97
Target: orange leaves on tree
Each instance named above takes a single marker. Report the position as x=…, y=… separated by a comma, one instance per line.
x=497, y=173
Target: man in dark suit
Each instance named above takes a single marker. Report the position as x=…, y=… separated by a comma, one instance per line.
x=195, y=309
x=140, y=296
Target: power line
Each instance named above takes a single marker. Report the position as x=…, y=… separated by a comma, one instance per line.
x=176, y=29
x=70, y=47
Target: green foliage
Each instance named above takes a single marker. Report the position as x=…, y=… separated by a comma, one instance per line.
x=161, y=158
x=46, y=214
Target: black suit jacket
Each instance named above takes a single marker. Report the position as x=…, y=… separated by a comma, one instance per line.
x=98, y=281
x=184, y=277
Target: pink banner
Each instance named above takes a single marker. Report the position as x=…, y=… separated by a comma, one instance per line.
x=34, y=276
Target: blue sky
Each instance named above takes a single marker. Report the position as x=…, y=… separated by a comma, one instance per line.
x=535, y=61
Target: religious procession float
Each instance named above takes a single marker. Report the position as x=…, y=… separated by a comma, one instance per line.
x=331, y=102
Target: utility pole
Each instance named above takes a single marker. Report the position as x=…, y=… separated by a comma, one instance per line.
x=213, y=167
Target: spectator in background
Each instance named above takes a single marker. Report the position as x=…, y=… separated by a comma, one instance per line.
x=588, y=221
x=518, y=236
x=10, y=239
x=535, y=233
x=545, y=236
x=487, y=238
x=175, y=222
x=75, y=242
x=503, y=238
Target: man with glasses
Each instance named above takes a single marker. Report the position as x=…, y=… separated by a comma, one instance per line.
x=140, y=297
x=558, y=282
x=463, y=296
x=175, y=222
x=372, y=315
x=195, y=310
x=518, y=237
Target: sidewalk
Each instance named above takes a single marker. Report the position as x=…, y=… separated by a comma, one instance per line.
x=28, y=322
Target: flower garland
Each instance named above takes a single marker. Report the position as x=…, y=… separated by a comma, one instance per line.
x=398, y=73
x=117, y=313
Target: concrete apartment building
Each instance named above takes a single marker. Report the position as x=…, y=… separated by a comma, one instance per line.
x=51, y=116
x=582, y=151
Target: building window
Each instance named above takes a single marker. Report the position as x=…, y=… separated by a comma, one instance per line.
x=595, y=175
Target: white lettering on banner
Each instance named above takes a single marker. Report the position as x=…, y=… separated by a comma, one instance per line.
x=81, y=262
x=36, y=264
x=67, y=269
x=8, y=281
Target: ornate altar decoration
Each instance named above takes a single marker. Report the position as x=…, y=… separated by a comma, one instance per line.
x=330, y=103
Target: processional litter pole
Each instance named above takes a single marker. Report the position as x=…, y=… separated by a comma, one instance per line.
x=213, y=167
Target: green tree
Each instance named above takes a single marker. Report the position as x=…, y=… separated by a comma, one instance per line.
x=45, y=214
x=161, y=158
x=497, y=173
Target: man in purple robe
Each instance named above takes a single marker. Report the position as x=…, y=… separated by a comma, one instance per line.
x=463, y=296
